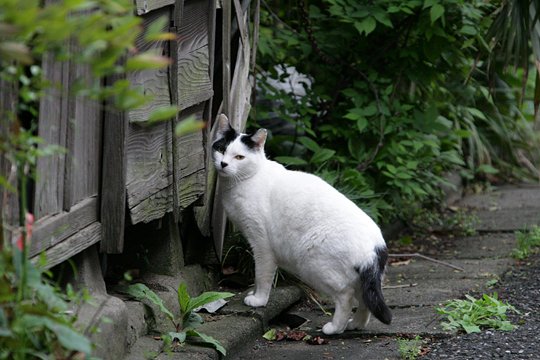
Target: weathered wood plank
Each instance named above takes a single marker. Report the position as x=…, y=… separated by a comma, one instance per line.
x=53, y=229
x=9, y=205
x=148, y=161
x=153, y=207
x=72, y=245
x=83, y=144
x=145, y=6
x=194, y=84
x=53, y=118
x=113, y=180
x=154, y=82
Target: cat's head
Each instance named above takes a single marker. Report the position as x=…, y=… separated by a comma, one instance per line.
x=237, y=155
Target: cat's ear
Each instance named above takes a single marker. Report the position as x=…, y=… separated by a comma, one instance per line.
x=259, y=138
x=222, y=126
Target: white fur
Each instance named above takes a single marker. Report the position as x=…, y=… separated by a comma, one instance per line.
x=298, y=222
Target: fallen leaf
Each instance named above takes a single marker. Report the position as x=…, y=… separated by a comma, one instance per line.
x=296, y=335
x=400, y=263
x=317, y=340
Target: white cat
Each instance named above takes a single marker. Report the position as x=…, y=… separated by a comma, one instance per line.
x=298, y=222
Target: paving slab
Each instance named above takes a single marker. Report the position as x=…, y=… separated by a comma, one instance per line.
x=422, y=269
x=508, y=197
x=429, y=291
x=507, y=219
x=415, y=320
x=336, y=349
x=491, y=245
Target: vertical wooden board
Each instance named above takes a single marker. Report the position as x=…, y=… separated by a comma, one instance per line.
x=52, y=129
x=145, y=6
x=9, y=208
x=190, y=162
x=154, y=82
x=113, y=180
x=84, y=143
x=149, y=156
x=194, y=84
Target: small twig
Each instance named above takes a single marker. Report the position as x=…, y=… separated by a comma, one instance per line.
x=399, y=286
x=429, y=259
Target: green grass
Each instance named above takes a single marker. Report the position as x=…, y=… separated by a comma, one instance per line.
x=527, y=243
x=409, y=349
x=472, y=315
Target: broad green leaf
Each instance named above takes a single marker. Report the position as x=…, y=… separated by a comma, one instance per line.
x=208, y=340
x=183, y=298
x=180, y=336
x=366, y=26
x=206, y=298
x=361, y=124
x=141, y=292
x=146, y=61
x=163, y=113
x=289, y=160
x=68, y=338
x=309, y=143
x=156, y=30
x=189, y=126
x=436, y=12
x=322, y=155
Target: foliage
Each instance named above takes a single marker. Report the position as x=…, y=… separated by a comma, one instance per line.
x=472, y=315
x=383, y=120
x=184, y=326
x=409, y=349
x=35, y=316
x=528, y=243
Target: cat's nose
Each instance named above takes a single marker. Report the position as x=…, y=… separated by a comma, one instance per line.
x=223, y=164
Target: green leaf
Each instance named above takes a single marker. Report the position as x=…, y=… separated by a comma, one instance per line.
x=189, y=126
x=183, y=298
x=146, y=61
x=270, y=335
x=322, y=155
x=207, y=297
x=141, y=292
x=290, y=160
x=308, y=143
x=361, y=124
x=156, y=30
x=366, y=26
x=436, y=12
x=208, y=340
x=180, y=336
x=163, y=113
x=68, y=338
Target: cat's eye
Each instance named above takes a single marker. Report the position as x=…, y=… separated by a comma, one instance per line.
x=239, y=157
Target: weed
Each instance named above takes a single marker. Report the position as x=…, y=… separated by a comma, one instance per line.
x=527, y=243
x=409, y=349
x=184, y=326
x=472, y=315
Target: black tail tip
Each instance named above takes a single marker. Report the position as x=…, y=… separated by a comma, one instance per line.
x=384, y=315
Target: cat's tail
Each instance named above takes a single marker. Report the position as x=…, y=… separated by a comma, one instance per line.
x=371, y=278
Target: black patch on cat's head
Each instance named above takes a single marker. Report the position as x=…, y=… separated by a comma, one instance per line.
x=248, y=141
x=228, y=137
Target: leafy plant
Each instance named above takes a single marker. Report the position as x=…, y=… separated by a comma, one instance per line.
x=409, y=349
x=384, y=120
x=527, y=243
x=472, y=315
x=185, y=325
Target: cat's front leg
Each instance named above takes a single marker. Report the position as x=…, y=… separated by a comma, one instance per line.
x=265, y=268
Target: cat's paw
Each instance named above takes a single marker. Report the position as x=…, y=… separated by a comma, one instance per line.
x=255, y=301
x=353, y=325
x=330, y=329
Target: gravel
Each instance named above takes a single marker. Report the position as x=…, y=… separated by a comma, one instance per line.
x=521, y=288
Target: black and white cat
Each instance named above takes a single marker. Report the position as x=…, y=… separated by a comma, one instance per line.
x=298, y=222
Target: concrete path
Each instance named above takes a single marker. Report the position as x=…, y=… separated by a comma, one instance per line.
x=413, y=289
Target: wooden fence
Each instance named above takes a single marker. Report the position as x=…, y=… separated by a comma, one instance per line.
x=118, y=169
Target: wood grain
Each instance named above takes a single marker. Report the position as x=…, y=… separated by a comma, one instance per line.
x=53, y=229
x=145, y=6
x=153, y=82
x=113, y=180
x=72, y=245
x=53, y=117
x=194, y=84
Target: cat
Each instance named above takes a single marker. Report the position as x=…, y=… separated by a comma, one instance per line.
x=298, y=222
